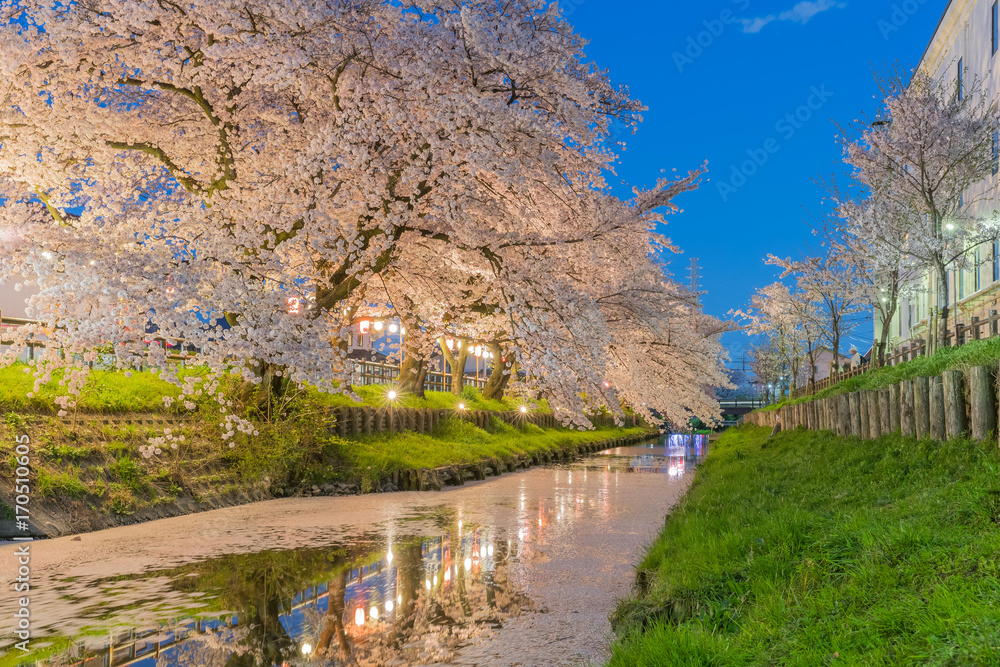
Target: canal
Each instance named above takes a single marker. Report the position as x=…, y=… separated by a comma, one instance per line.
x=517, y=570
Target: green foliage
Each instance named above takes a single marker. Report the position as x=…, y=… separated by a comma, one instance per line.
x=127, y=471
x=808, y=549
x=976, y=353
x=14, y=421
x=119, y=499
x=65, y=483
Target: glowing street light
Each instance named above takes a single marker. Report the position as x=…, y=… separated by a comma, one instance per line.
x=307, y=649
x=391, y=395
x=450, y=343
x=363, y=326
x=359, y=617
x=393, y=328
x=523, y=409
x=461, y=406
x=378, y=325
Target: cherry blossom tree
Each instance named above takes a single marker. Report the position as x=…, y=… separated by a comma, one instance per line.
x=788, y=320
x=830, y=281
x=195, y=168
x=930, y=151
x=876, y=238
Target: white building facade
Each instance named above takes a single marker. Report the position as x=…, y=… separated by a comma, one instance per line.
x=965, y=47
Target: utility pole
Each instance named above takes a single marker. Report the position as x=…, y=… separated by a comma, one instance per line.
x=694, y=280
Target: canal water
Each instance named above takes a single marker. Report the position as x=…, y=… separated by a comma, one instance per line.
x=517, y=570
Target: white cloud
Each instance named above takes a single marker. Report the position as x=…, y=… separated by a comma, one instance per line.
x=800, y=13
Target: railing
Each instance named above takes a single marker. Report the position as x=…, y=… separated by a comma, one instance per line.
x=374, y=372
x=364, y=372
x=960, y=334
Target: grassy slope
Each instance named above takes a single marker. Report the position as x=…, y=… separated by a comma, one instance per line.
x=457, y=441
x=816, y=550
x=113, y=392
x=971, y=354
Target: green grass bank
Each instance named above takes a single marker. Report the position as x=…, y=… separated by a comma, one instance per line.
x=91, y=471
x=976, y=353
x=809, y=549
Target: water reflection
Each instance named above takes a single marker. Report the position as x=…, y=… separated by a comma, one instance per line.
x=414, y=588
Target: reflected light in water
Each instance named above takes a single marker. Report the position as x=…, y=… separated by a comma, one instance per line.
x=373, y=613
x=359, y=616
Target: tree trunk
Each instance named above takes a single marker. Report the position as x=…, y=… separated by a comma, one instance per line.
x=457, y=364
x=944, y=299
x=334, y=626
x=883, y=338
x=412, y=374
x=502, y=370
x=835, y=340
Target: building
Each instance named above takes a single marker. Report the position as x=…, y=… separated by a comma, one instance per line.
x=964, y=47
x=822, y=365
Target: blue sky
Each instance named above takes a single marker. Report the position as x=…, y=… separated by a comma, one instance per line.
x=757, y=62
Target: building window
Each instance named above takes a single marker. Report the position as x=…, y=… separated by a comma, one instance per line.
x=961, y=284
x=995, y=35
x=976, y=278
x=996, y=261
x=958, y=81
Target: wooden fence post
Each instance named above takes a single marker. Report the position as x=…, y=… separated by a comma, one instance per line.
x=938, y=431
x=883, y=411
x=983, y=401
x=844, y=416
x=854, y=400
x=369, y=416
x=866, y=415
x=874, y=415
x=355, y=421
x=894, y=408
x=907, y=426
x=342, y=416
x=954, y=404
x=922, y=406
